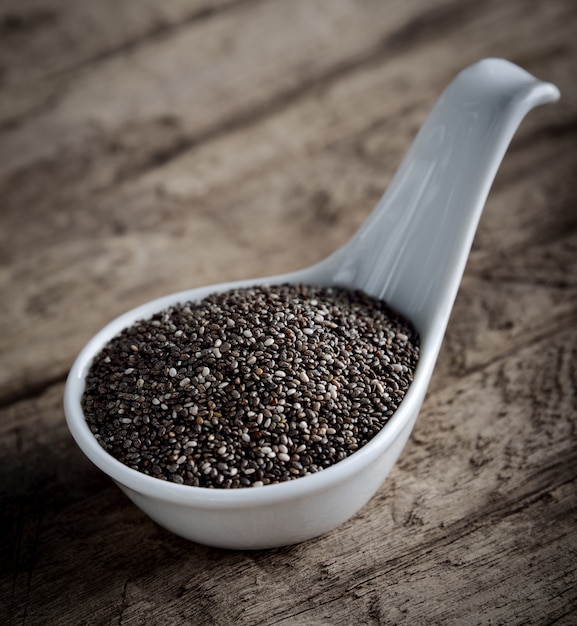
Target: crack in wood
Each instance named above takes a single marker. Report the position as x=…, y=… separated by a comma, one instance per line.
x=160, y=30
x=417, y=32
x=31, y=390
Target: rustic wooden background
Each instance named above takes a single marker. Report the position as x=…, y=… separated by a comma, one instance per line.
x=148, y=147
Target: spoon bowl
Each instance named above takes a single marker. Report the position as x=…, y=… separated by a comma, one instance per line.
x=411, y=252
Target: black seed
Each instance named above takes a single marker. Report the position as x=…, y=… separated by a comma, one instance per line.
x=263, y=384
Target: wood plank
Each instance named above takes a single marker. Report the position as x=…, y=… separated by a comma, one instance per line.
x=207, y=73
x=45, y=43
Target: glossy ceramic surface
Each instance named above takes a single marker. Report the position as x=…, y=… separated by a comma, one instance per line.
x=411, y=252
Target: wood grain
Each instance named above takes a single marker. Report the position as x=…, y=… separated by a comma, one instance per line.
x=150, y=147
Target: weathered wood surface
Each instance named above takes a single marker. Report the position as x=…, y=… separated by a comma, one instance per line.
x=148, y=147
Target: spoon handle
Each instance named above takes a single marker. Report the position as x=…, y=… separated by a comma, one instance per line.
x=413, y=248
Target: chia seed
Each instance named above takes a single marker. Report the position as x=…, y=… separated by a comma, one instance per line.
x=250, y=387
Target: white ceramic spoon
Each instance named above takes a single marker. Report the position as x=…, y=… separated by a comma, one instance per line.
x=411, y=252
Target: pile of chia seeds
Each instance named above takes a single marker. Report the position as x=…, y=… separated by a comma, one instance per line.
x=252, y=386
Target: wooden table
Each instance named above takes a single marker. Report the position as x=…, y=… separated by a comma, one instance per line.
x=148, y=147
